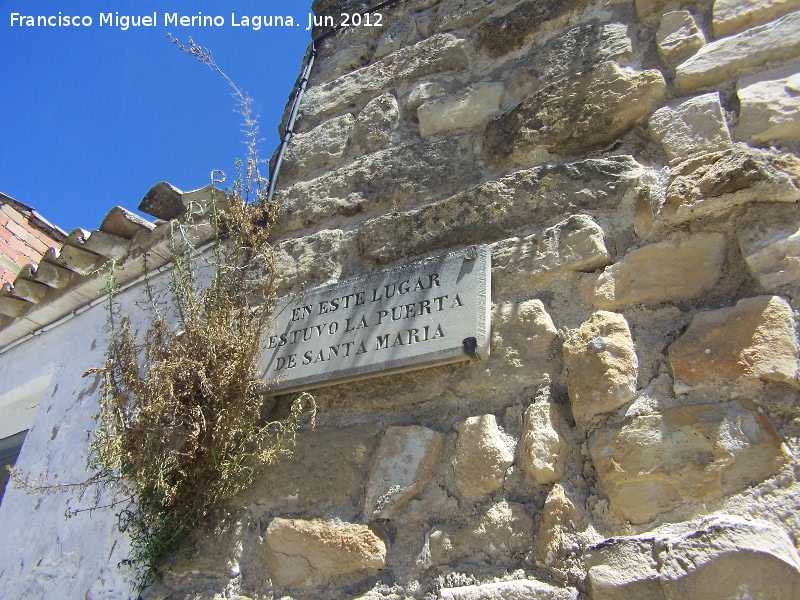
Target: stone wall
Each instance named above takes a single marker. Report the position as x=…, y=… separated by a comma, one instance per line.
x=634, y=168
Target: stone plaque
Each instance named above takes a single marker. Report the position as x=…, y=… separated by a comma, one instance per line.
x=425, y=313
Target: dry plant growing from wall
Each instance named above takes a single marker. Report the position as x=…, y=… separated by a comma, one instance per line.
x=181, y=427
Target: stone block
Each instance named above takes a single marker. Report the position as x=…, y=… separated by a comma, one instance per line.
x=422, y=170
x=322, y=147
x=469, y=109
x=402, y=466
x=441, y=52
x=576, y=115
x=650, y=464
x=738, y=348
x=504, y=34
x=573, y=245
x=644, y=8
x=730, y=558
x=673, y=271
x=424, y=92
x=482, y=457
x=499, y=533
x=678, y=37
x=541, y=455
x=454, y=14
x=733, y=16
x=522, y=334
x=559, y=515
x=509, y=590
x=689, y=126
x=400, y=34
x=376, y=123
x=311, y=259
x=769, y=105
x=494, y=209
x=312, y=552
x=740, y=54
x=712, y=184
x=769, y=238
x=601, y=364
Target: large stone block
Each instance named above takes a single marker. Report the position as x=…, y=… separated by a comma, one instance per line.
x=769, y=238
x=678, y=37
x=312, y=552
x=402, y=466
x=601, y=364
x=522, y=334
x=310, y=259
x=376, y=123
x=575, y=244
x=441, y=52
x=740, y=54
x=501, y=35
x=482, y=457
x=652, y=463
x=737, y=348
x=732, y=16
x=689, y=126
x=572, y=116
x=322, y=147
x=509, y=590
x=493, y=210
x=719, y=559
x=769, y=105
x=502, y=531
x=672, y=271
x=421, y=170
x=541, y=455
x=470, y=109
x=714, y=183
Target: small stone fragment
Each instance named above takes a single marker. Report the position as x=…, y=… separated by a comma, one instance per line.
x=402, y=466
x=769, y=105
x=732, y=16
x=376, y=123
x=652, y=463
x=310, y=552
x=541, y=457
x=678, y=37
x=601, y=365
x=482, y=457
x=470, y=109
x=671, y=271
x=572, y=116
x=689, y=126
x=509, y=590
x=558, y=515
x=737, y=348
x=769, y=238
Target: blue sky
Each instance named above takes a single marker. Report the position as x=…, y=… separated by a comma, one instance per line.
x=93, y=116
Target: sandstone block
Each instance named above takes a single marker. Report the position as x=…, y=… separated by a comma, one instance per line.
x=601, y=365
x=541, y=455
x=310, y=552
x=482, y=457
x=737, y=348
x=570, y=117
x=504, y=34
x=399, y=34
x=505, y=529
x=733, y=16
x=678, y=37
x=509, y=590
x=769, y=238
x=423, y=93
x=723, y=557
x=522, y=334
x=441, y=52
x=493, y=210
x=421, y=170
x=645, y=8
x=575, y=244
x=652, y=463
x=469, y=109
x=689, y=126
x=558, y=516
x=740, y=54
x=714, y=183
x=313, y=258
x=671, y=271
x=402, y=466
x=322, y=147
x=376, y=123
x=769, y=105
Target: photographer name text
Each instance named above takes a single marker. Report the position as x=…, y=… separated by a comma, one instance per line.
x=174, y=19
